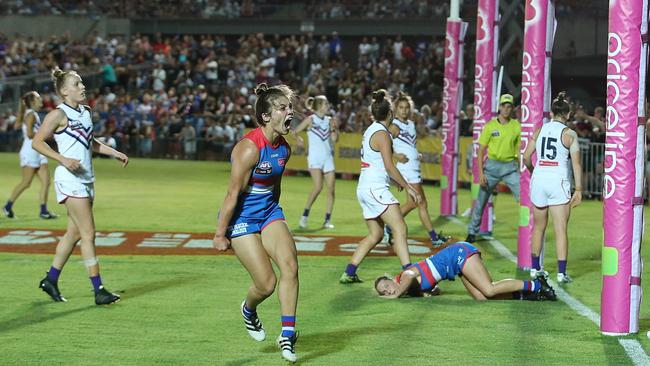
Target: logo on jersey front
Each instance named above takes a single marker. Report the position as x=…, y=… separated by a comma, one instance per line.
x=282, y=161
x=264, y=168
x=495, y=134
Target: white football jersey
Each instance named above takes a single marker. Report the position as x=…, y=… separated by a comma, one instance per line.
x=373, y=171
x=552, y=155
x=319, y=136
x=75, y=142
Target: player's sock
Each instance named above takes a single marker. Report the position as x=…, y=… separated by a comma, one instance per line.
x=53, y=274
x=44, y=209
x=532, y=286
x=328, y=216
x=407, y=265
x=536, y=262
x=561, y=266
x=288, y=325
x=9, y=205
x=351, y=269
x=305, y=213
x=433, y=235
x=97, y=282
x=248, y=312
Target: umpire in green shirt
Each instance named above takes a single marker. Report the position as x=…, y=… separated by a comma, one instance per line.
x=501, y=138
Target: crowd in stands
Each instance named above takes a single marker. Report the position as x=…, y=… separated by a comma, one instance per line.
x=233, y=9
x=153, y=86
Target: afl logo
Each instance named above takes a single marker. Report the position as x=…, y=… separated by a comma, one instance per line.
x=282, y=161
x=264, y=168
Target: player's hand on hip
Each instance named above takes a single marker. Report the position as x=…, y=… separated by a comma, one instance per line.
x=71, y=164
x=220, y=243
x=576, y=199
x=401, y=158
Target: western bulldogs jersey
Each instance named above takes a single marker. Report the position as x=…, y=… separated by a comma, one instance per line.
x=259, y=197
x=319, y=136
x=373, y=171
x=552, y=155
x=444, y=265
x=405, y=142
x=75, y=142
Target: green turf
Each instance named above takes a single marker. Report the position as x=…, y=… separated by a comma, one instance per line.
x=183, y=310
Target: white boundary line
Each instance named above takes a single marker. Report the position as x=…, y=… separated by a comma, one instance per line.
x=632, y=347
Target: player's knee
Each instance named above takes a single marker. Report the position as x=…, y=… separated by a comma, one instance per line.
x=289, y=270
x=489, y=291
x=376, y=238
x=87, y=235
x=267, y=287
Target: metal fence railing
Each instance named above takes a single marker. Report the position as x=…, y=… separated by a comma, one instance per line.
x=592, y=155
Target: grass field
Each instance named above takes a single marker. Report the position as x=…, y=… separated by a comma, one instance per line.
x=184, y=309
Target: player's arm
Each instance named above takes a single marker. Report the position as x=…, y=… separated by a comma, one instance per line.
x=394, y=132
x=530, y=149
x=29, y=121
x=244, y=158
x=570, y=139
x=304, y=124
x=483, y=142
x=55, y=120
x=334, y=127
x=101, y=148
x=382, y=142
x=406, y=281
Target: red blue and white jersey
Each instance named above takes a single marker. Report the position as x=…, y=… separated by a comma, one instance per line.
x=75, y=141
x=447, y=264
x=260, y=197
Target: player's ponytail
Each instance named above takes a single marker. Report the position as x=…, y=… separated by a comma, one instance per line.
x=560, y=105
x=381, y=105
x=26, y=101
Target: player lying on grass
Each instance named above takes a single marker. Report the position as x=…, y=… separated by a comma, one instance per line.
x=459, y=259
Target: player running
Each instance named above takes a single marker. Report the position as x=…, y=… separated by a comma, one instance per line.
x=322, y=131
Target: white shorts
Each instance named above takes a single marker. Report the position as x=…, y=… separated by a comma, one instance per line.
x=31, y=158
x=410, y=174
x=549, y=191
x=71, y=189
x=375, y=201
x=324, y=163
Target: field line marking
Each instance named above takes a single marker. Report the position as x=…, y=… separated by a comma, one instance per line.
x=635, y=351
x=632, y=347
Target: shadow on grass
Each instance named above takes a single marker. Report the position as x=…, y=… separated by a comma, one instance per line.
x=153, y=286
x=312, y=346
x=37, y=313
x=41, y=311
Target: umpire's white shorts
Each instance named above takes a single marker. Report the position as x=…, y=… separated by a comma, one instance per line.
x=72, y=189
x=320, y=162
x=375, y=201
x=549, y=191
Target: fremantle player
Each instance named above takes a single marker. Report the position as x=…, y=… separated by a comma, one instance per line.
x=31, y=162
x=322, y=131
x=550, y=184
x=377, y=202
x=251, y=219
x=72, y=127
x=405, y=135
